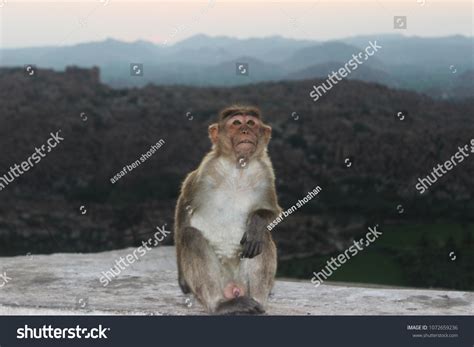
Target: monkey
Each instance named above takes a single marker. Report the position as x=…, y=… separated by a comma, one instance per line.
x=226, y=257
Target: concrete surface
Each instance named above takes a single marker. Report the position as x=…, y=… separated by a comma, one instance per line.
x=68, y=284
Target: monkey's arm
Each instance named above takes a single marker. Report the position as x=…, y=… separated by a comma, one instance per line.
x=185, y=204
x=265, y=213
x=252, y=241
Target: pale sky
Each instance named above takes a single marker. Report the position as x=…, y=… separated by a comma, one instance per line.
x=41, y=23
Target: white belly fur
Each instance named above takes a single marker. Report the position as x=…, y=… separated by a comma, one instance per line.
x=223, y=217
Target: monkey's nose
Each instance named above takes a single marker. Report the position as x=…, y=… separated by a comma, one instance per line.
x=244, y=131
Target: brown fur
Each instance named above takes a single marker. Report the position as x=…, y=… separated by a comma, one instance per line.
x=200, y=271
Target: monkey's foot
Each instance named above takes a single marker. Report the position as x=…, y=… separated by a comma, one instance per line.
x=240, y=305
x=184, y=286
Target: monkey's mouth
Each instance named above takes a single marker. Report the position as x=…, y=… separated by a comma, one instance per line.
x=246, y=142
x=245, y=146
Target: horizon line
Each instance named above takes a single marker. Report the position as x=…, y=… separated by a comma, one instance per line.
x=399, y=35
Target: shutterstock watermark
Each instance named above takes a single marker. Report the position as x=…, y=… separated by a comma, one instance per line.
x=49, y=332
x=333, y=264
x=18, y=170
x=293, y=208
x=124, y=262
x=4, y=279
x=439, y=170
x=351, y=65
x=144, y=157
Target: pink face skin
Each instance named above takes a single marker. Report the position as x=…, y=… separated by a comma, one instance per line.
x=243, y=131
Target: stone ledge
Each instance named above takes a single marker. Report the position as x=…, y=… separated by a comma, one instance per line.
x=68, y=284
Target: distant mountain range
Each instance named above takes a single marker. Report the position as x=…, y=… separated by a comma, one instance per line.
x=440, y=67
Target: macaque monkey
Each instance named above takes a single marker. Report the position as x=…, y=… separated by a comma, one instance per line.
x=226, y=256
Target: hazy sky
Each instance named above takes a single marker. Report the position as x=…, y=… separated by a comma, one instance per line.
x=37, y=23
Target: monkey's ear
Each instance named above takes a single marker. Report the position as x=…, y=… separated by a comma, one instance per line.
x=267, y=132
x=213, y=132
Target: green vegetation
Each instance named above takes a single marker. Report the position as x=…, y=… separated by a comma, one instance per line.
x=414, y=256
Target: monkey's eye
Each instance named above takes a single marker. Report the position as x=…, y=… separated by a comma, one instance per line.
x=250, y=123
x=236, y=122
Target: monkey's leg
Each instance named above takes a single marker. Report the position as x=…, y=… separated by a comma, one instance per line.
x=258, y=273
x=200, y=268
x=181, y=281
x=257, y=277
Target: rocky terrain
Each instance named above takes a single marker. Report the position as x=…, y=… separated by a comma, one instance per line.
x=351, y=143
x=68, y=284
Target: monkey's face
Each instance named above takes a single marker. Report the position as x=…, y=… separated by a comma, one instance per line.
x=243, y=130
x=242, y=134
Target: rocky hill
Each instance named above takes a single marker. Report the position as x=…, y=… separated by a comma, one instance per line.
x=351, y=143
x=68, y=284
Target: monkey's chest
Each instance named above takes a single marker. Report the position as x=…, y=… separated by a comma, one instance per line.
x=223, y=218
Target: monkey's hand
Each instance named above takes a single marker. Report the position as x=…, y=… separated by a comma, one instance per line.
x=252, y=241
